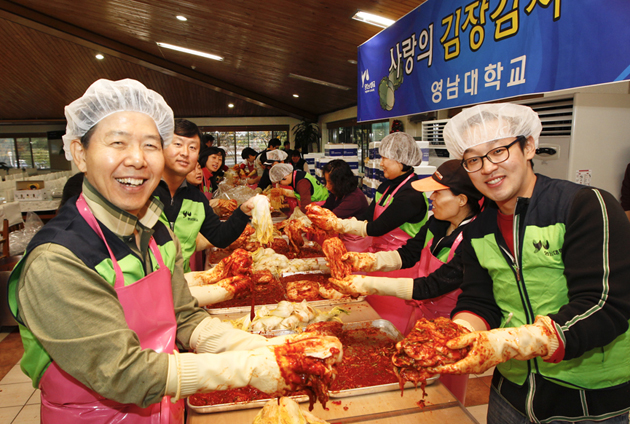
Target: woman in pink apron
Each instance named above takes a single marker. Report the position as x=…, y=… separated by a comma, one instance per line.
x=100, y=294
x=395, y=215
x=455, y=204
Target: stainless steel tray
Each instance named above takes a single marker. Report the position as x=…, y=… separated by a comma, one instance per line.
x=314, y=303
x=208, y=409
x=388, y=330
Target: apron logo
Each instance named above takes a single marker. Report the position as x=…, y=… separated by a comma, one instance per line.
x=545, y=245
x=187, y=214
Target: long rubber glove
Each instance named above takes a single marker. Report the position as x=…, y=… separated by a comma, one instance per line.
x=369, y=262
x=364, y=285
x=214, y=336
x=490, y=348
x=218, y=292
x=350, y=226
x=191, y=373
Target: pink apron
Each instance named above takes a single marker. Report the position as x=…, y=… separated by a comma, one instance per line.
x=149, y=312
x=391, y=308
x=439, y=307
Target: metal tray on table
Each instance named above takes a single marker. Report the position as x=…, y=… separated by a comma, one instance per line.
x=314, y=303
x=387, y=329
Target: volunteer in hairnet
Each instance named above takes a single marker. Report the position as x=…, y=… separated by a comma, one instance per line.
x=304, y=187
x=100, y=293
x=546, y=267
x=396, y=214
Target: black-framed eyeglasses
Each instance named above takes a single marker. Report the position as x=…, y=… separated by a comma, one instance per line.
x=496, y=155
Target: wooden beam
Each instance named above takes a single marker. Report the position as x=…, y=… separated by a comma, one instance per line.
x=44, y=23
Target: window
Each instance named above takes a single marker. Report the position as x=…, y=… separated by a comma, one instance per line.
x=349, y=131
x=234, y=139
x=25, y=151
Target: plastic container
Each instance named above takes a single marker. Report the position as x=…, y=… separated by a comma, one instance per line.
x=334, y=150
x=349, y=150
x=353, y=161
x=424, y=147
x=373, y=150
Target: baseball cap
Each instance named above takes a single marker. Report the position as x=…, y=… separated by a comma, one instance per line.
x=449, y=175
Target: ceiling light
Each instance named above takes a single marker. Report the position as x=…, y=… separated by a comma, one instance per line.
x=320, y=82
x=369, y=18
x=296, y=95
x=99, y=56
x=190, y=51
x=231, y=105
x=181, y=18
x=354, y=62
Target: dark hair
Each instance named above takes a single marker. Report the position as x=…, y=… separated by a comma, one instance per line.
x=274, y=142
x=85, y=139
x=295, y=153
x=208, y=137
x=247, y=151
x=287, y=142
x=185, y=128
x=473, y=204
x=203, y=156
x=341, y=177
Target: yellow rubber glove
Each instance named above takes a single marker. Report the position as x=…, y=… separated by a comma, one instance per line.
x=490, y=348
x=350, y=226
x=370, y=262
x=190, y=373
x=226, y=289
x=363, y=285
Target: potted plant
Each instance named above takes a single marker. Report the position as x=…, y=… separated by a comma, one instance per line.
x=305, y=134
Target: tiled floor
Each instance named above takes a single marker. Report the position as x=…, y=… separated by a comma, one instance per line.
x=20, y=402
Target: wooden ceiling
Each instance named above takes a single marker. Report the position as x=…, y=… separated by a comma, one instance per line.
x=48, y=48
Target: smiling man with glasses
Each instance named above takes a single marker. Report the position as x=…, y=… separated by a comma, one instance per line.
x=545, y=285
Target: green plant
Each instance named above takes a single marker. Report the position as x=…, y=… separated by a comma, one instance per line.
x=305, y=134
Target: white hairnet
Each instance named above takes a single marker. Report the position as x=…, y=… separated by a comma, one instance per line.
x=401, y=147
x=105, y=97
x=489, y=122
x=276, y=155
x=279, y=171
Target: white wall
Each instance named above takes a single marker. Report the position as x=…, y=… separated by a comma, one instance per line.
x=601, y=138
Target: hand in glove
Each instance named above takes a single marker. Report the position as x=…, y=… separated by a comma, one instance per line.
x=363, y=285
x=226, y=289
x=490, y=348
x=283, y=192
x=351, y=226
x=229, y=205
x=370, y=262
x=265, y=368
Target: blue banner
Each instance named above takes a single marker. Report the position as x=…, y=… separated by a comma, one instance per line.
x=449, y=53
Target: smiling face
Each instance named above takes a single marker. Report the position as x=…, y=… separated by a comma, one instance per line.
x=124, y=159
x=214, y=162
x=504, y=182
x=195, y=177
x=391, y=168
x=181, y=155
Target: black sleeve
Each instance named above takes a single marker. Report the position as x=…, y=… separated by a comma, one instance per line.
x=597, y=268
x=477, y=295
x=410, y=252
x=443, y=280
x=222, y=234
x=408, y=206
x=625, y=190
x=368, y=214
